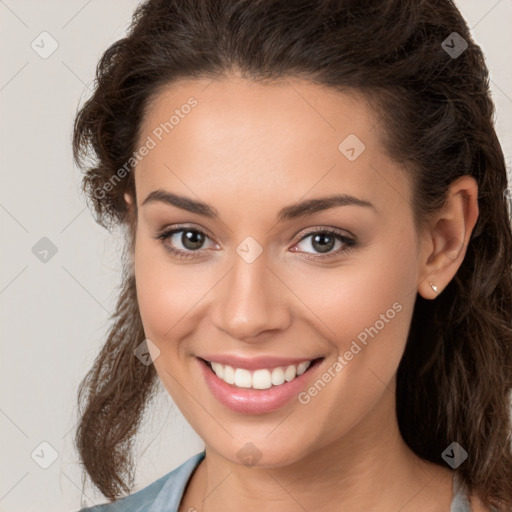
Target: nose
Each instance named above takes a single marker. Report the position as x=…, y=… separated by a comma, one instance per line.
x=251, y=300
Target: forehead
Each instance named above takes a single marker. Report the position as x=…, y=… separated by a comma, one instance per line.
x=282, y=139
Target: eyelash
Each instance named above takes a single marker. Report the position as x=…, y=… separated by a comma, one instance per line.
x=349, y=243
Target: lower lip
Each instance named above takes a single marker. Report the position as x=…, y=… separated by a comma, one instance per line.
x=256, y=401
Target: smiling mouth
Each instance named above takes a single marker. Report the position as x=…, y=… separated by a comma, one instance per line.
x=259, y=379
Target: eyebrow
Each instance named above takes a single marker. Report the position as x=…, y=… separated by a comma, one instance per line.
x=293, y=211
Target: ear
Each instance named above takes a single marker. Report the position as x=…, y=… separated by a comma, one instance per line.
x=444, y=242
x=128, y=198
x=131, y=209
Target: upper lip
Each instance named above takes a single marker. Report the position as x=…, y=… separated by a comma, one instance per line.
x=254, y=363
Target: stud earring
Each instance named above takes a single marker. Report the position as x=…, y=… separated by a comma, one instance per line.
x=434, y=287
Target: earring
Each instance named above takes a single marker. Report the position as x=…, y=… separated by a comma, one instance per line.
x=434, y=287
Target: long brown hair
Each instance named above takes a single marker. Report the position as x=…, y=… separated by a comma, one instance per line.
x=436, y=118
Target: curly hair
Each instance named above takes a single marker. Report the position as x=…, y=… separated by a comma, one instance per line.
x=435, y=112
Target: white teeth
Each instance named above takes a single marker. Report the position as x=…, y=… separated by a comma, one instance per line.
x=229, y=374
x=259, y=379
x=218, y=369
x=277, y=376
x=302, y=367
x=243, y=378
x=290, y=372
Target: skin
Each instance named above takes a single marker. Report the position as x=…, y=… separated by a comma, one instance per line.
x=249, y=150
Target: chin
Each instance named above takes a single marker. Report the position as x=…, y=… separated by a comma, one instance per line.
x=261, y=453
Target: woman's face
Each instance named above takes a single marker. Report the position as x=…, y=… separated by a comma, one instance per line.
x=261, y=289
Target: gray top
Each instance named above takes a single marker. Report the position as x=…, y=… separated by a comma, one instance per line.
x=164, y=494
x=460, y=502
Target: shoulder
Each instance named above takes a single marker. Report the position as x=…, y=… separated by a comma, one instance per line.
x=162, y=494
x=465, y=501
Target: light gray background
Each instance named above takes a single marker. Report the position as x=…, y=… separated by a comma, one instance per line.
x=54, y=315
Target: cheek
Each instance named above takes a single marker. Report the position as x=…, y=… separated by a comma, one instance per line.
x=364, y=311
x=167, y=294
x=165, y=291
x=363, y=308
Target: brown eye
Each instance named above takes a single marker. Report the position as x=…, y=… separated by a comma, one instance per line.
x=323, y=242
x=183, y=242
x=191, y=239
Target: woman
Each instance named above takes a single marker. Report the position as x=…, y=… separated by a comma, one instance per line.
x=318, y=257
